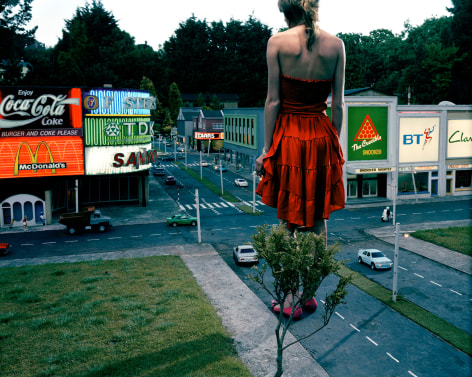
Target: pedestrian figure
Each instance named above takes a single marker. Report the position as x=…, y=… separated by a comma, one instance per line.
x=43, y=220
x=12, y=222
x=25, y=224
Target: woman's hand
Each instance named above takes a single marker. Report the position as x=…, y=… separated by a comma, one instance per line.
x=259, y=165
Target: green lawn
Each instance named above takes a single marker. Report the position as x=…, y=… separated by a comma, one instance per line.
x=128, y=317
x=455, y=238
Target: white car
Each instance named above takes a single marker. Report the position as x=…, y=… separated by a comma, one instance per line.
x=240, y=182
x=245, y=254
x=204, y=163
x=374, y=258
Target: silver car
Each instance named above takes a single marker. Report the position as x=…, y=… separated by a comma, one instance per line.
x=374, y=258
x=245, y=254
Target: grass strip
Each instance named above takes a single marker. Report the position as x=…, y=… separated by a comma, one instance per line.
x=431, y=322
x=454, y=238
x=128, y=317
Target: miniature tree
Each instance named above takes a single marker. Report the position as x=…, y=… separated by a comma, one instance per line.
x=297, y=262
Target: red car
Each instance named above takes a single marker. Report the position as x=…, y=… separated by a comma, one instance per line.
x=4, y=248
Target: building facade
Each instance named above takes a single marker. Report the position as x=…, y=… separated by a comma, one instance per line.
x=61, y=148
x=390, y=151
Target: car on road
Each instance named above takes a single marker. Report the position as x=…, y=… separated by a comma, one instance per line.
x=167, y=158
x=245, y=254
x=4, y=247
x=205, y=164
x=181, y=219
x=374, y=258
x=170, y=180
x=240, y=182
x=159, y=172
x=217, y=168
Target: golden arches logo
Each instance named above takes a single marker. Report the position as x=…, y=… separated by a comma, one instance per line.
x=33, y=156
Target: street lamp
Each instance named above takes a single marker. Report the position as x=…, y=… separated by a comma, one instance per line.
x=395, y=261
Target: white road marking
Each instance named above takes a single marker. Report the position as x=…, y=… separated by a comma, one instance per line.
x=439, y=285
x=412, y=374
x=322, y=302
x=416, y=213
x=137, y=236
x=370, y=340
x=338, y=219
x=355, y=218
x=392, y=357
x=403, y=268
x=458, y=210
x=223, y=205
x=446, y=210
x=189, y=206
x=235, y=228
x=48, y=243
x=93, y=239
x=217, y=230
x=216, y=205
x=182, y=207
x=431, y=212
x=457, y=293
x=72, y=241
x=27, y=244
x=339, y=315
x=422, y=277
x=355, y=328
x=115, y=238
x=156, y=234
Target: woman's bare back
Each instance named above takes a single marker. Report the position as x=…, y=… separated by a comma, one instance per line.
x=297, y=61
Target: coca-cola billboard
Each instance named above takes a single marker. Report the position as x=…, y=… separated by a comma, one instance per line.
x=39, y=109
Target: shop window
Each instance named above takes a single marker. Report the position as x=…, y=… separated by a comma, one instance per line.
x=406, y=186
x=6, y=212
x=28, y=207
x=463, y=179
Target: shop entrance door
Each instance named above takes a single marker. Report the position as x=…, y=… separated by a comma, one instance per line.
x=352, y=189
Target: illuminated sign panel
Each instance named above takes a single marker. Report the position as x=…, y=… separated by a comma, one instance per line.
x=209, y=135
x=103, y=102
x=105, y=131
x=459, y=138
x=38, y=109
x=41, y=157
x=419, y=139
x=367, y=133
x=118, y=160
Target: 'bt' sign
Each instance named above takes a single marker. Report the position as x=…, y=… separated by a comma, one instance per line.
x=419, y=139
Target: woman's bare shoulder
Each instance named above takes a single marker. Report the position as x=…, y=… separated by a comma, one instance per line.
x=331, y=39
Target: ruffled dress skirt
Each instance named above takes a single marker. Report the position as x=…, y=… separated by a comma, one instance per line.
x=303, y=168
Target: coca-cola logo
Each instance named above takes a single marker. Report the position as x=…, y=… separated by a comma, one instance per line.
x=48, y=108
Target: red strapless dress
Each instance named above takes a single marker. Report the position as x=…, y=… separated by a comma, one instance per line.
x=303, y=168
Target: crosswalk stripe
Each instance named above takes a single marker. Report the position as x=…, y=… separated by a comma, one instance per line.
x=182, y=207
x=189, y=206
x=259, y=202
x=216, y=205
x=223, y=205
x=203, y=206
x=209, y=205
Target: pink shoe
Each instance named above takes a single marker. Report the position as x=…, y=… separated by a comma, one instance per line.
x=310, y=305
x=297, y=314
x=273, y=303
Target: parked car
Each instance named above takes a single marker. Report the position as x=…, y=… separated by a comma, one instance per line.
x=167, y=158
x=159, y=172
x=245, y=254
x=240, y=182
x=205, y=164
x=180, y=219
x=374, y=258
x=170, y=180
x=217, y=168
x=4, y=247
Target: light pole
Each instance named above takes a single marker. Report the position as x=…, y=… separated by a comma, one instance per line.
x=395, y=262
x=254, y=192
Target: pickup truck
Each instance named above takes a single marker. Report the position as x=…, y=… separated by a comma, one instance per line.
x=4, y=248
x=88, y=217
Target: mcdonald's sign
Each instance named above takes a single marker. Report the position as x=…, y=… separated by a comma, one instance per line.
x=25, y=157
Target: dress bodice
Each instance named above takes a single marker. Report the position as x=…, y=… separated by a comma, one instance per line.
x=303, y=97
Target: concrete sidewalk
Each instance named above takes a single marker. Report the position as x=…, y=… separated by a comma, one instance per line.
x=428, y=250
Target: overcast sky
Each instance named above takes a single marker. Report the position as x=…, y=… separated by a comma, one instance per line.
x=155, y=21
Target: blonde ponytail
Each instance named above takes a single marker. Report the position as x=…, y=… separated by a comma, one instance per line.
x=297, y=11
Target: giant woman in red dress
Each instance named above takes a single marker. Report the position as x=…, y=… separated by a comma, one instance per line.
x=301, y=164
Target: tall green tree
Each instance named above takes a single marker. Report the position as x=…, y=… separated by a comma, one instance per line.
x=175, y=102
x=14, y=38
x=94, y=51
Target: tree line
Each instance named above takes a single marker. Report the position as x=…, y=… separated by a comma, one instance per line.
x=434, y=59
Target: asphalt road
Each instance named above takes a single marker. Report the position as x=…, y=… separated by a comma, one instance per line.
x=364, y=337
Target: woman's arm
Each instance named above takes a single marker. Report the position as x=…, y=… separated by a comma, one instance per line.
x=337, y=99
x=272, y=103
